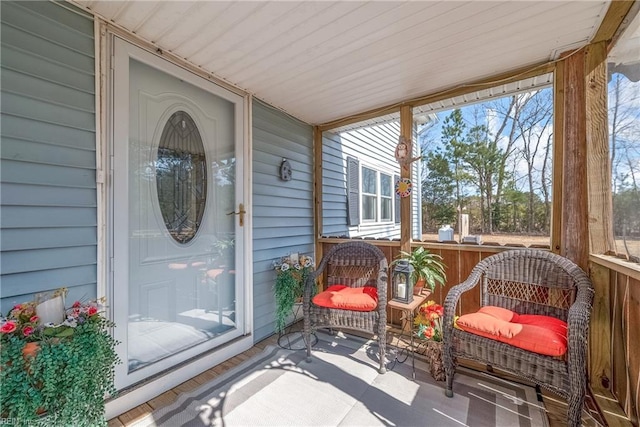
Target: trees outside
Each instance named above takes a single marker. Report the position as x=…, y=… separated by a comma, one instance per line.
x=493, y=161
x=624, y=140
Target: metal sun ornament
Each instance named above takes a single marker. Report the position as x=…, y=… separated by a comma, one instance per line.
x=404, y=187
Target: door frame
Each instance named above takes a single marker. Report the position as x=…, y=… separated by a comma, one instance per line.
x=157, y=383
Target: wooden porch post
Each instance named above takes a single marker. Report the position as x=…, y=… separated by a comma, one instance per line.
x=406, y=130
x=575, y=230
x=558, y=158
x=598, y=164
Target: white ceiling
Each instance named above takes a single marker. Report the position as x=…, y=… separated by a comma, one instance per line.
x=324, y=60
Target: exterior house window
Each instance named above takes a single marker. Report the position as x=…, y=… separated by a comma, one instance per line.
x=369, y=195
x=386, y=202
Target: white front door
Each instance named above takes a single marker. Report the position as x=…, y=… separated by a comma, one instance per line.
x=177, y=241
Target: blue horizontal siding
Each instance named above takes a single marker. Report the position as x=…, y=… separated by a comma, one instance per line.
x=283, y=210
x=48, y=175
x=20, y=239
x=46, y=133
x=58, y=113
x=375, y=147
x=37, y=152
x=36, y=281
x=31, y=64
x=20, y=84
x=48, y=195
x=46, y=259
x=37, y=195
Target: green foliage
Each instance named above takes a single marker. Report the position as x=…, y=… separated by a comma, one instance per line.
x=289, y=287
x=287, y=290
x=438, y=191
x=480, y=152
x=426, y=265
x=68, y=377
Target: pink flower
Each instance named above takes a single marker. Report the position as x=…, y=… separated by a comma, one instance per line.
x=76, y=304
x=8, y=327
x=34, y=319
x=27, y=330
x=17, y=307
x=92, y=310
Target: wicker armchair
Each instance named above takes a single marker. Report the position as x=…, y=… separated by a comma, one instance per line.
x=353, y=264
x=527, y=282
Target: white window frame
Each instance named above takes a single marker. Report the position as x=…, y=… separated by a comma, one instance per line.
x=378, y=196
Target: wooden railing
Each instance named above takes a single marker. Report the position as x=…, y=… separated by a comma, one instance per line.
x=614, y=342
x=614, y=339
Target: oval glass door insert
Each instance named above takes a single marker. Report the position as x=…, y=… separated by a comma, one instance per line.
x=181, y=177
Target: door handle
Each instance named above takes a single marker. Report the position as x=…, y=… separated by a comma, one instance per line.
x=240, y=212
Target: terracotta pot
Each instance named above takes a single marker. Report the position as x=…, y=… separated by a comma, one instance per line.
x=419, y=286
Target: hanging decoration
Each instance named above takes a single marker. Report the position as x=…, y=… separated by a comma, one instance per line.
x=285, y=170
x=403, y=187
x=403, y=152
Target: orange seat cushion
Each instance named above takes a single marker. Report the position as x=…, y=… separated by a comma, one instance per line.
x=346, y=298
x=539, y=334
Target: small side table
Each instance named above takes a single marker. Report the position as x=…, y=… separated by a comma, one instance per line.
x=408, y=311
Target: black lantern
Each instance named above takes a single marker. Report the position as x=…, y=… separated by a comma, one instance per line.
x=402, y=289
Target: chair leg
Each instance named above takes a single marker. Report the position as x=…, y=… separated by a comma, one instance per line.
x=449, y=370
x=307, y=336
x=574, y=410
x=382, y=347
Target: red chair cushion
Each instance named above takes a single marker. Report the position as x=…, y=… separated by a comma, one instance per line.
x=346, y=298
x=539, y=334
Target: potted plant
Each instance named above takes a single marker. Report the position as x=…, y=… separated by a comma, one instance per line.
x=291, y=274
x=429, y=323
x=56, y=374
x=428, y=268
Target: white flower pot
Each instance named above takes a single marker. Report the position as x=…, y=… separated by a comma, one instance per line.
x=51, y=311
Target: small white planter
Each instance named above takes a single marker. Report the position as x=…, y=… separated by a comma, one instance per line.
x=51, y=311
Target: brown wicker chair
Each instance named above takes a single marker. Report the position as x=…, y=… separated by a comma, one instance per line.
x=354, y=264
x=527, y=282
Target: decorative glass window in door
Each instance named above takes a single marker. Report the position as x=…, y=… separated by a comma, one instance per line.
x=181, y=177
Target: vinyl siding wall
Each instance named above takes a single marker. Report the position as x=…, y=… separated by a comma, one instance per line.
x=373, y=146
x=47, y=156
x=282, y=210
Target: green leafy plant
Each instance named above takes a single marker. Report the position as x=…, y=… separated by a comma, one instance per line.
x=289, y=286
x=56, y=374
x=427, y=266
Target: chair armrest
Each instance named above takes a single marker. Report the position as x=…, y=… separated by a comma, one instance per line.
x=382, y=287
x=579, y=314
x=309, y=285
x=453, y=296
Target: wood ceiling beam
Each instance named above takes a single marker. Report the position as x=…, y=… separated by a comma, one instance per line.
x=616, y=16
